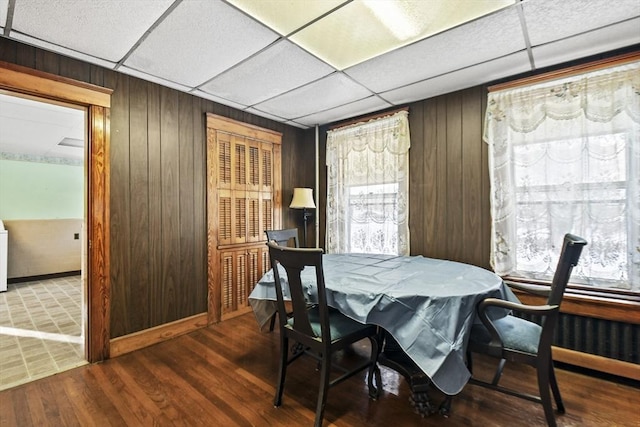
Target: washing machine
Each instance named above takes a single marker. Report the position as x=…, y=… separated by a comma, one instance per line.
x=4, y=242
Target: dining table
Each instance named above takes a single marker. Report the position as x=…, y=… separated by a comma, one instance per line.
x=425, y=307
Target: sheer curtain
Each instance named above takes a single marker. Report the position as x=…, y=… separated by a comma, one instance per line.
x=368, y=187
x=565, y=157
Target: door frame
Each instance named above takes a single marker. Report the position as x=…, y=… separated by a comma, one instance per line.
x=97, y=102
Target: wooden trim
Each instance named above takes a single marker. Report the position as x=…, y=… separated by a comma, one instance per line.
x=214, y=299
x=568, y=72
x=22, y=80
x=236, y=313
x=98, y=268
x=226, y=124
x=368, y=118
x=597, y=363
x=27, y=80
x=588, y=306
x=157, y=334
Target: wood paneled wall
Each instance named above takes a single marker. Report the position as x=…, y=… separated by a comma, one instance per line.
x=449, y=212
x=158, y=189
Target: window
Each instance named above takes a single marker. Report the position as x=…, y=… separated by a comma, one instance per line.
x=565, y=157
x=373, y=218
x=367, y=187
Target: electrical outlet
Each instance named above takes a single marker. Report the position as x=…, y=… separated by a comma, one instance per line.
x=76, y=236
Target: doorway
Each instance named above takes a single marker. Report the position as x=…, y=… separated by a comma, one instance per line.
x=42, y=206
x=96, y=102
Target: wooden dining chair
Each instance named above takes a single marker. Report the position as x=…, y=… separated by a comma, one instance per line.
x=515, y=339
x=284, y=237
x=317, y=330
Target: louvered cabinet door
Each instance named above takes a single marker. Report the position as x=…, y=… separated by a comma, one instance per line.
x=234, y=278
x=243, y=200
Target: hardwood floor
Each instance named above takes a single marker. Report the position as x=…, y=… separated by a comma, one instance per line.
x=224, y=375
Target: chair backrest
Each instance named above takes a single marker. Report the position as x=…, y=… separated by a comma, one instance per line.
x=283, y=237
x=294, y=261
x=569, y=256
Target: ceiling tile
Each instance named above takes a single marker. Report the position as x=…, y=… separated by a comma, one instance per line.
x=263, y=114
x=298, y=125
x=494, y=36
x=354, y=109
x=199, y=40
x=549, y=20
x=103, y=29
x=4, y=4
x=461, y=79
x=62, y=50
x=605, y=39
x=35, y=128
x=154, y=79
x=278, y=69
x=286, y=16
x=363, y=29
x=218, y=99
x=329, y=92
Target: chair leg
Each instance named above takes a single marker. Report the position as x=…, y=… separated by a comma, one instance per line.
x=282, y=370
x=273, y=322
x=470, y=362
x=545, y=393
x=324, y=386
x=554, y=388
x=374, y=371
x=498, y=374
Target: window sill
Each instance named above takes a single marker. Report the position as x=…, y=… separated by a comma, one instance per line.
x=616, y=305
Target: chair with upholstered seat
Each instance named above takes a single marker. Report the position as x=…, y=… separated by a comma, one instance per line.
x=317, y=330
x=515, y=339
x=284, y=237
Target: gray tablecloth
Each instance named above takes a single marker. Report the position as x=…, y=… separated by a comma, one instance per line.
x=427, y=305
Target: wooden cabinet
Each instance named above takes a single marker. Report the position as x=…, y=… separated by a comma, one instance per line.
x=243, y=200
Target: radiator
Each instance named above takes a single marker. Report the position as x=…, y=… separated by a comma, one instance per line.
x=606, y=338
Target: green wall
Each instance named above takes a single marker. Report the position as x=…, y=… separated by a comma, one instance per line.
x=33, y=190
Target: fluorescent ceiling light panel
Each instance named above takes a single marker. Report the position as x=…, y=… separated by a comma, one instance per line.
x=475, y=42
x=71, y=142
x=364, y=29
x=286, y=16
x=103, y=29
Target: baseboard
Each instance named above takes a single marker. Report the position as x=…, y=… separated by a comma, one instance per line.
x=15, y=280
x=597, y=363
x=137, y=340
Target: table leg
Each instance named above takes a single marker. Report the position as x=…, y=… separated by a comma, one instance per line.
x=392, y=356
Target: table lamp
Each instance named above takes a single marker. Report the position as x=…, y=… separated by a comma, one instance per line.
x=303, y=199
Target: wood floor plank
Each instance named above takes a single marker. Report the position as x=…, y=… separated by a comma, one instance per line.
x=225, y=375
x=189, y=392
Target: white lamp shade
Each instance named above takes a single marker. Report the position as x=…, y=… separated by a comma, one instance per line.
x=302, y=198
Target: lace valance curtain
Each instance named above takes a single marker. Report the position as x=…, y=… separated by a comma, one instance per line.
x=368, y=187
x=565, y=157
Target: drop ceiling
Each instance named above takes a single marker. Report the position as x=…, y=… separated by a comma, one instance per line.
x=308, y=62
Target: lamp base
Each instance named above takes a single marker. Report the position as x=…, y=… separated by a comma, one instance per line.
x=306, y=215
